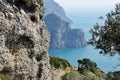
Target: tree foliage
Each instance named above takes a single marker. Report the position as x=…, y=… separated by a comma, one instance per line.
x=107, y=37
x=87, y=64
x=59, y=63
x=113, y=75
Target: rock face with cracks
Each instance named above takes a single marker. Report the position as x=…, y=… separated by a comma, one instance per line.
x=23, y=40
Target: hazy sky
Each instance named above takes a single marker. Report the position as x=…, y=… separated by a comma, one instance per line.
x=85, y=13
x=86, y=4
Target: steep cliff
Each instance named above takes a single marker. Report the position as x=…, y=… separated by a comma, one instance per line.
x=62, y=36
x=52, y=7
x=23, y=40
x=58, y=25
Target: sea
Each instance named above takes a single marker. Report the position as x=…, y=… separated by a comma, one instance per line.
x=86, y=21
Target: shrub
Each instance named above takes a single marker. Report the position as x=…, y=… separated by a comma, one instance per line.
x=59, y=63
x=73, y=75
x=87, y=64
x=113, y=75
x=5, y=77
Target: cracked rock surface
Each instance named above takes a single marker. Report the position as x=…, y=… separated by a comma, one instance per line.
x=23, y=40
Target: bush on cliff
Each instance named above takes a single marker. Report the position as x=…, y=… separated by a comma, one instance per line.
x=73, y=75
x=113, y=75
x=87, y=64
x=59, y=63
x=5, y=77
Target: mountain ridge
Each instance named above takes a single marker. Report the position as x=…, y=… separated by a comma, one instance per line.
x=53, y=7
x=58, y=25
x=62, y=36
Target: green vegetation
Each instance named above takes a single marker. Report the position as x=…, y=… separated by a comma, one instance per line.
x=87, y=65
x=107, y=37
x=87, y=70
x=5, y=73
x=5, y=77
x=59, y=63
x=90, y=70
x=73, y=75
x=113, y=75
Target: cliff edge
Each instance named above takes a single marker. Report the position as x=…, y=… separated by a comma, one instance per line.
x=53, y=7
x=61, y=35
x=23, y=40
x=58, y=25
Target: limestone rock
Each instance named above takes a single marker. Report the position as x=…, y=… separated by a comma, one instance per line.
x=53, y=7
x=62, y=36
x=58, y=25
x=23, y=40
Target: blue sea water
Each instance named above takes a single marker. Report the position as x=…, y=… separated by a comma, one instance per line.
x=106, y=63
x=86, y=22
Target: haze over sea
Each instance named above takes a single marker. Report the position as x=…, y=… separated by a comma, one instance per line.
x=85, y=19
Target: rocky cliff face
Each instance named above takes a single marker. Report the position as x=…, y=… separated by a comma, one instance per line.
x=62, y=36
x=52, y=7
x=58, y=25
x=23, y=40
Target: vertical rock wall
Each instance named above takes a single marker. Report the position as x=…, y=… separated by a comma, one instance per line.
x=23, y=40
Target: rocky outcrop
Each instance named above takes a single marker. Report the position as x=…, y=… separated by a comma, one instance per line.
x=58, y=25
x=23, y=40
x=52, y=7
x=62, y=36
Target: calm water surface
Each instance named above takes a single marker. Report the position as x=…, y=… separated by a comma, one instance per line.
x=86, y=22
x=106, y=63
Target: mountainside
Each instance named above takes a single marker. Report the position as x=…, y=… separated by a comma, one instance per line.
x=23, y=41
x=62, y=70
x=62, y=36
x=58, y=25
x=52, y=7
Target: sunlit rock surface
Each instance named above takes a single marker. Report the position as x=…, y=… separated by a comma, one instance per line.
x=23, y=40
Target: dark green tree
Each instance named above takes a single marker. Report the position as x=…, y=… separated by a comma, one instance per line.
x=113, y=75
x=59, y=63
x=87, y=64
x=107, y=37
